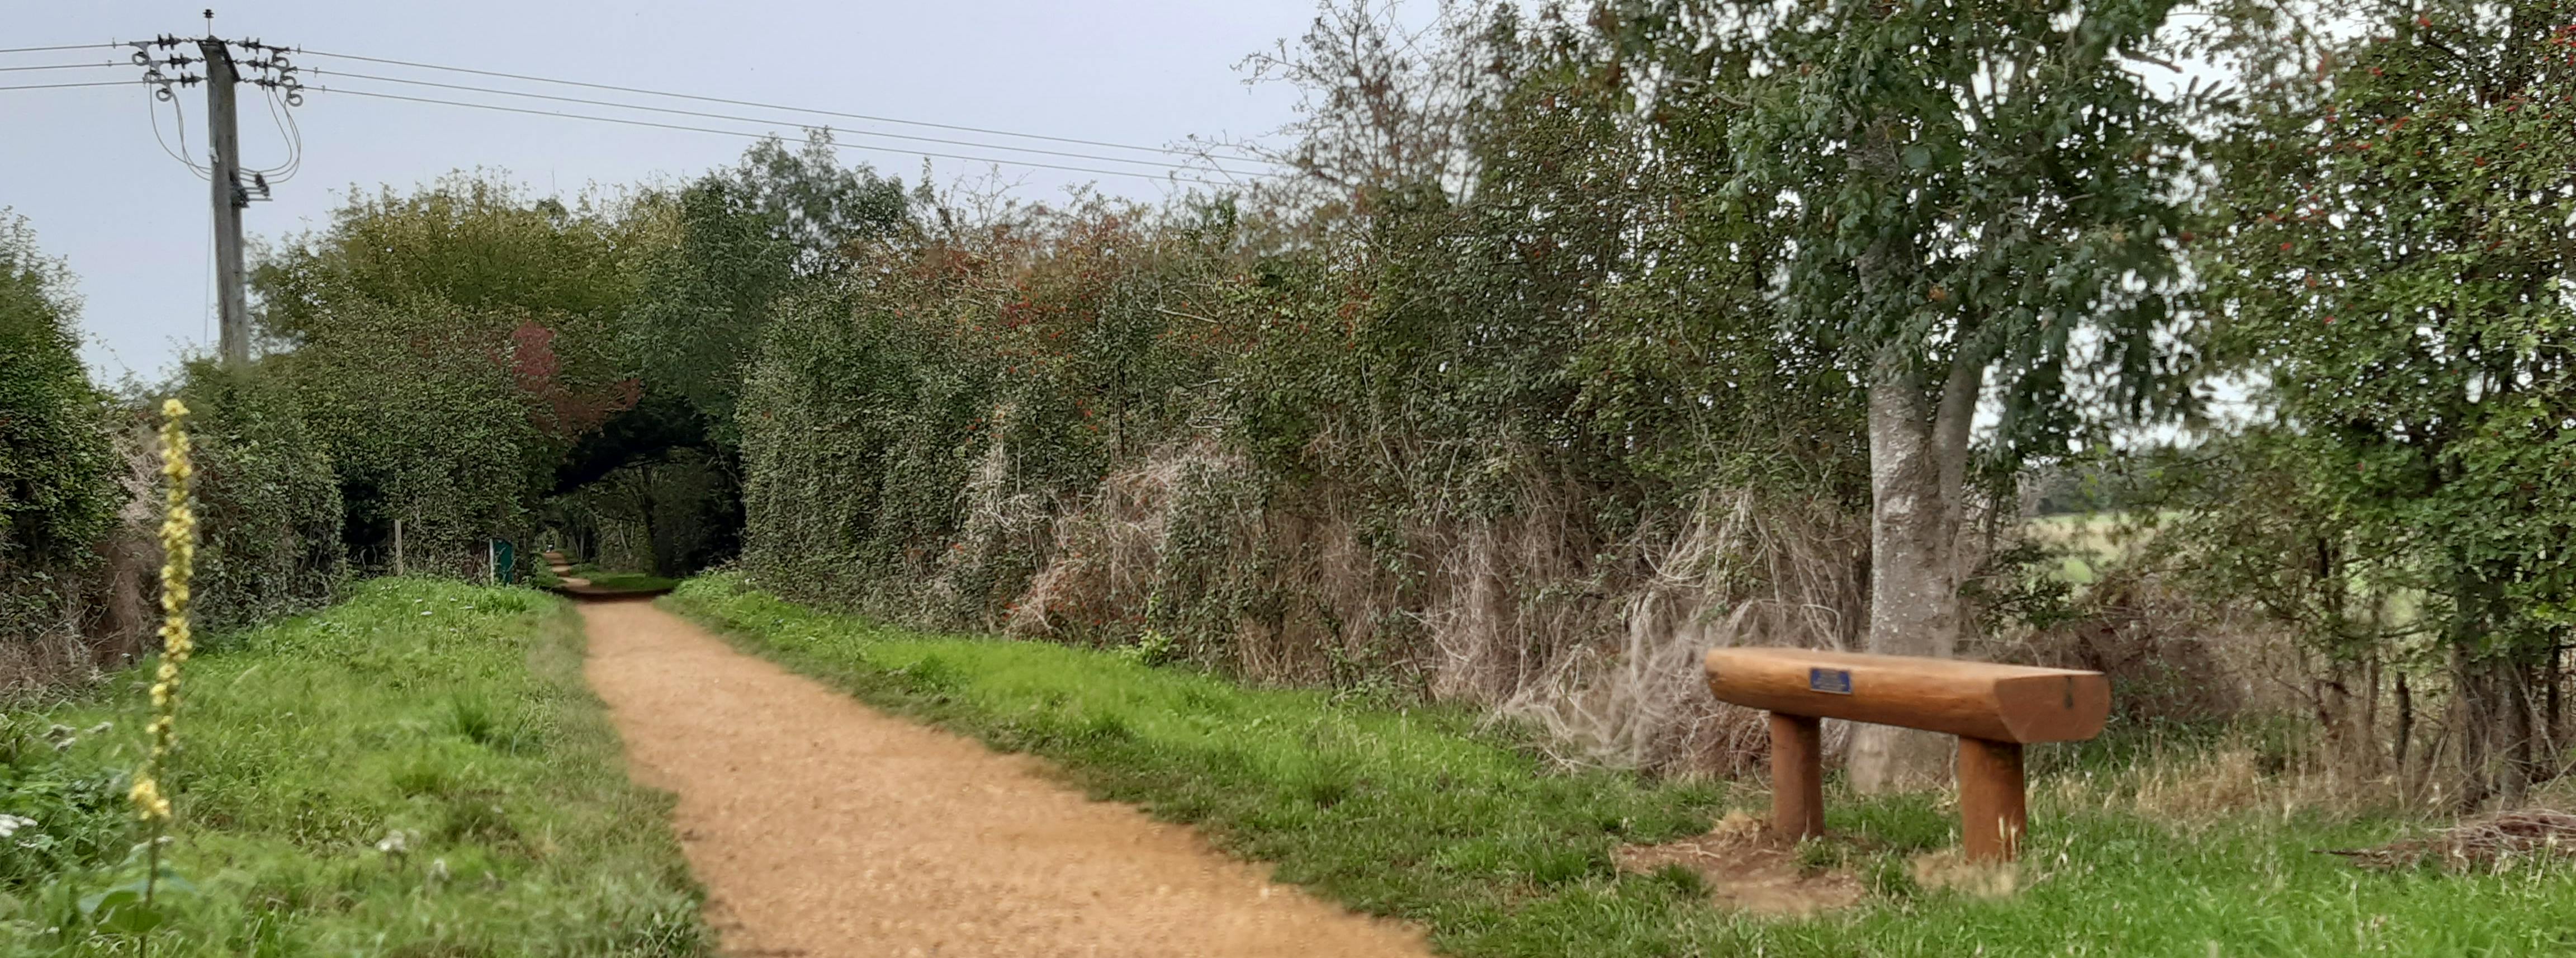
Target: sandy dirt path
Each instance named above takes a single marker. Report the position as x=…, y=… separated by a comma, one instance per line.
x=823, y=828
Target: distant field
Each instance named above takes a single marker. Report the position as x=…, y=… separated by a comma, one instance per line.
x=2091, y=542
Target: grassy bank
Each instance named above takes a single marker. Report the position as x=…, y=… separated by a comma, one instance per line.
x=451, y=715
x=1417, y=816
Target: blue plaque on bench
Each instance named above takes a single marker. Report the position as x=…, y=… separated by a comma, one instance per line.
x=1835, y=681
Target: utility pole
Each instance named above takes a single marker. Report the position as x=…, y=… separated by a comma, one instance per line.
x=230, y=198
x=261, y=65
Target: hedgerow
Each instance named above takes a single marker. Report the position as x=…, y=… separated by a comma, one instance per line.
x=1412, y=441
x=57, y=489
x=268, y=500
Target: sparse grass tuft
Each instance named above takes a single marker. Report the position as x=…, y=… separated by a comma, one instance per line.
x=452, y=716
x=1418, y=815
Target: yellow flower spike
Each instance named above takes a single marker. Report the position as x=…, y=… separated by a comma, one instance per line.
x=179, y=551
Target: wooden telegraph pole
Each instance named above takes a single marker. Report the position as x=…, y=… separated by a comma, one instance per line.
x=230, y=197
x=227, y=65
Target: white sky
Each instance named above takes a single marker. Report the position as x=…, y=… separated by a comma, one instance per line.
x=133, y=223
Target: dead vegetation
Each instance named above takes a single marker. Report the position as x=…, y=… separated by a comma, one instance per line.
x=2486, y=843
x=1528, y=611
x=91, y=619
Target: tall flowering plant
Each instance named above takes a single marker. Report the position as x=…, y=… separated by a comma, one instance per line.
x=179, y=551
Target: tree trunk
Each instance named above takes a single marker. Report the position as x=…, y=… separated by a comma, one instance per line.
x=2522, y=765
x=1918, y=451
x=2405, y=736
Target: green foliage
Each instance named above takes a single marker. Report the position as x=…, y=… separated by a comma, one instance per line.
x=57, y=472
x=2394, y=230
x=268, y=500
x=1967, y=184
x=748, y=236
x=452, y=715
x=1544, y=343
x=56, y=493
x=467, y=241
x=447, y=349
x=430, y=431
x=931, y=381
x=1417, y=816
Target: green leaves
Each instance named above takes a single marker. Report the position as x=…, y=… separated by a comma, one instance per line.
x=55, y=492
x=2002, y=154
x=2395, y=267
x=140, y=903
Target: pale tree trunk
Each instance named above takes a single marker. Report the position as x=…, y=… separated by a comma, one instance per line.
x=1918, y=459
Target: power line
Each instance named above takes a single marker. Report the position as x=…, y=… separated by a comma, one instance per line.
x=727, y=116
x=791, y=109
x=180, y=154
x=68, y=46
x=289, y=131
x=759, y=136
x=58, y=86
x=63, y=66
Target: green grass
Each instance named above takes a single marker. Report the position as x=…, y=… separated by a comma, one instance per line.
x=453, y=714
x=631, y=582
x=1418, y=816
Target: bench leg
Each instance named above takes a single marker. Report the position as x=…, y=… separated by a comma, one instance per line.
x=1797, y=776
x=1993, y=807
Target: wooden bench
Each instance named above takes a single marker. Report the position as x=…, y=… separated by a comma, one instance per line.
x=1993, y=709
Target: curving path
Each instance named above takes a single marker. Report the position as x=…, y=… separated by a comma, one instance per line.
x=822, y=827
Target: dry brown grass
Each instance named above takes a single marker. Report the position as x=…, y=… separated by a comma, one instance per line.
x=2489, y=843
x=1950, y=870
x=1525, y=611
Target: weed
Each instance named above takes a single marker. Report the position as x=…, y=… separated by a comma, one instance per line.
x=471, y=715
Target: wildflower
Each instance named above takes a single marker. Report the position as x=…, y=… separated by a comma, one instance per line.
x=10, y=824
x=394, y=843
x=179, y=556
x=149, y=804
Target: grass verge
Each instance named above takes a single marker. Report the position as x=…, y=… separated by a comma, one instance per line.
x=1418, y=816
x=630, y=582
x=455, y=716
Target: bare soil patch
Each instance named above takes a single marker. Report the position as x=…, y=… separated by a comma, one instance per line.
x=1748, y=869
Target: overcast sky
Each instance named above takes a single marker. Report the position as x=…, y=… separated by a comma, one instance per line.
x=82, y=165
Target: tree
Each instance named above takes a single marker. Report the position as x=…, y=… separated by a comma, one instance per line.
x=448, y=347
x=2398, y=215
x=1977, y=203
x=746, y=237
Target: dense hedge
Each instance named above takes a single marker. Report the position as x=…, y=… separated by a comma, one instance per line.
x=268, y=500
x=1411, y=439
x=57, y=484
x=55, y=493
